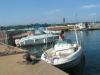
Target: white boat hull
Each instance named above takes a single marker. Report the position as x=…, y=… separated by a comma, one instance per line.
x=70, y=64
x=34, y=40
x=53, y=32
x=69, y=61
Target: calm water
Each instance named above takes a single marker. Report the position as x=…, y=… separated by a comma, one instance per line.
x=91, y=48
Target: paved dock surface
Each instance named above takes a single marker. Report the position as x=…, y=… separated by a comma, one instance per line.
x=14, y=65
x=11, y=63
x=10, y=50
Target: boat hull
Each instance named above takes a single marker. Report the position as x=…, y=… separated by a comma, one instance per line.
x=72, y=60
x=35, y=41
x=70, y=64
x=53, y=32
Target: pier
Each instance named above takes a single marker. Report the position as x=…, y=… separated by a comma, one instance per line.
x=13, y=65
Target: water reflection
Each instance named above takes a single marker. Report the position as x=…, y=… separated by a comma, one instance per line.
x=78, y=69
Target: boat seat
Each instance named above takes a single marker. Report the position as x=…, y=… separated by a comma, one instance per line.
x=50, y=52
x=60, y=53
x=64, y=53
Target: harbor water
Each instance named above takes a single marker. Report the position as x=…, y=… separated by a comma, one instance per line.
x=90, y=41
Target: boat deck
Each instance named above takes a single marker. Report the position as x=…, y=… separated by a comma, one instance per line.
x=62, y=53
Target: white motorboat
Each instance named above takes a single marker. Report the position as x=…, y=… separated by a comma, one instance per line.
x=64, y=54
x=37, y=38
x=52, y=31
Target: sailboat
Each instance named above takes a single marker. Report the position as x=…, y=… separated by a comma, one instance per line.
x=64, y=54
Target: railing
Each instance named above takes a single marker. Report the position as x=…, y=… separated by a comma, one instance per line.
x=3, y=37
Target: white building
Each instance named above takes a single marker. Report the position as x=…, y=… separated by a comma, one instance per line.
x=81, y=25
x=78, y=25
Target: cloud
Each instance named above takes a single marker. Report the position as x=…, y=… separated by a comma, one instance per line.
x=51, y=12
x=90, y=6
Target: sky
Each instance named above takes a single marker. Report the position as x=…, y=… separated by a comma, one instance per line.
x=14, y=12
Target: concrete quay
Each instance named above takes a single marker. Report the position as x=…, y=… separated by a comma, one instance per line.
x=14, y=65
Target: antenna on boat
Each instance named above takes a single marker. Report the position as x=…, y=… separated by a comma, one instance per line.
x=76, y=35
x=46, y=40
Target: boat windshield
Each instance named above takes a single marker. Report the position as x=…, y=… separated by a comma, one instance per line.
x=38, y=32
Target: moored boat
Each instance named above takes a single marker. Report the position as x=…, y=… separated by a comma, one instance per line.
x=52, y=31
x=64, y=54
x=37, y=38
